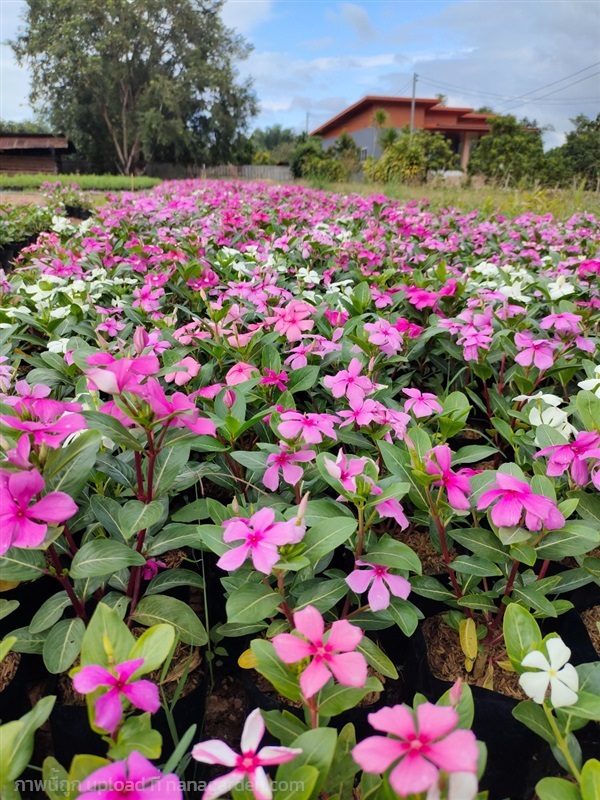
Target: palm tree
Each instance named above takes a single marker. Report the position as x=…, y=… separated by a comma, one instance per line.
x=380, y=117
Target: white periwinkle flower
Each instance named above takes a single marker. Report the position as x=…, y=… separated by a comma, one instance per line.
x=592, y=384
x=557, y=673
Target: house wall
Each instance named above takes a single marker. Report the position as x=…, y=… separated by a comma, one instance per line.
x=27, y=162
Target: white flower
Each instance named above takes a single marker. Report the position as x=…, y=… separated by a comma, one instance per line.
x=461, y=786
x=592, y=384
x=549, y=399
x=554, y=417
x=514, y=292
x=487, y=269
x=560, y=288
x=561, y=676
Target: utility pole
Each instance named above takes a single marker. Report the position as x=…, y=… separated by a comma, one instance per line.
x=412, y=103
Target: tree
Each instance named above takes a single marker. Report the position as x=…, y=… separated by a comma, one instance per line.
x=379, y=119
x=582, y=149
x=411, y=156
x=272, y=137
x=387, y=137
x=132, y=80
x=27, y=126
x=511, y=152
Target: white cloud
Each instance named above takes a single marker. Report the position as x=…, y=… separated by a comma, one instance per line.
x=246, y=15
x=358, y=18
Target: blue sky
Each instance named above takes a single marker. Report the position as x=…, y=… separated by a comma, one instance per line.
x=317, y=56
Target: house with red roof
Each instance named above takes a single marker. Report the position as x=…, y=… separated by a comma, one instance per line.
x=462, y=126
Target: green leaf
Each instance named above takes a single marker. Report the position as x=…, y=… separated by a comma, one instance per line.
x=21, y=744
x=588, y=408
x=326, y=535
x=106, y=626
x=334, y=699
x=252, y=602
x=158, y=609
x=154, y=645
x=405, y=615
x=7, y=607
x=212, y=537
x=49, y=612
x=473, y=453
x=180, y=751
x=63, y=645
x=283, y=725
x=255, y=460
x=117, y=469
x=301, y=785
x=27, y=642
x=274, y=670
x=532, y=715
x=323, y=596
x=6, y=647
x=18, y=564
x=557, y=789
x=391, y=553
x=106, y=510
x=590, y=780
x=482, y=543
x=136, y=735
x=398, y=463
x=575, y=539
x=426, y=586
x=113, y=429
x=67, y=469
x=588, y=506
x=172, y=578
x=521, y=634
x=56, y=779
x=377, y=658
x=135, y=516
x=103, y=557
x=482, y=601
x=169, y=463
x=174, y=536
x=535, y=599
x=303, y=379
x=318, y=748
x=475, y=565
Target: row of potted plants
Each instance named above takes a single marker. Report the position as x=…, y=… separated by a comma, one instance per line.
x=296, y=428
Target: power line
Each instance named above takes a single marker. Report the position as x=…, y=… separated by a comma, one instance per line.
x=561, y=80
x=554, y=91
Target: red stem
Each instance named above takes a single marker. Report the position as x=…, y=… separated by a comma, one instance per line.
x=66, y=584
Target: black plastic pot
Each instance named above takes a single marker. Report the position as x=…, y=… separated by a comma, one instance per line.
x=30, y=596
x=511, y=746
x=71, y=733
x=77, y=212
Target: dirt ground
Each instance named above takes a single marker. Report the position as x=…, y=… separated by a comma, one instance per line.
x=21, y=198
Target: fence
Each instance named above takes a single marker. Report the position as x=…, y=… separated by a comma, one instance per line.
x=253, y=172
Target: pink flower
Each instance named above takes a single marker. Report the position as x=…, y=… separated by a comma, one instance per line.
x=108, y=708
x=119, y=375
x=438, y=462
x=151, y=567
x=390, y=508
x=292, y=321
x=422, y=403
x=421, y=744
x=262, y=536
x=285, y=460
x=189, y=368
x=362, y=412
x=345, y=470
x=565, y=323
x=250, y=763
x=538, y=352
x=239, y=373
x=514, y=497
x=336, y=319
x=310, y=427
x=377, y=577
x=25, y=525
x=329, y=653
x=278, y=379
x=349, y=383
x=133, y=779
x=573, y=455
x=385, y=336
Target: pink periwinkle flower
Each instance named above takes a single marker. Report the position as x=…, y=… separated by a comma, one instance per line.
x=293, y=320
x=329, y=654
x=438, y=461
x=420, y=745
x=361, y=413
x=151, y=568
x=188, y=369
x=337, y=319
x=135, y=778
x=310, y=427
x=239, y=373
x=250, y=763
x=261, y=537
x=391, y=507
x=287, y=461
x=278, y=379
x=573, y=455
x=345, y=469
x=515, y=497
x=113, y=376
x=23, y=524
x=536, y=352
x=385, y=336
x=350, y=383
x=565, y=323
x=422, y=404
x=108, y=707
x=381, y=581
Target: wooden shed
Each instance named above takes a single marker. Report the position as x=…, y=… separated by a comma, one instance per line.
x=31, y=152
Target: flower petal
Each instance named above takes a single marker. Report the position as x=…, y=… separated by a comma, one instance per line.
x=309, y=623
x=91, y=677
x=222, y=785
x=349, y=669
x=290, y=648
x=414, y=774
x=398, y=720
x=214, y=751
x=344, y=636
x=277, y=755
x=558, y=652
x=435, y=721
x=143, y=694
x=457, y=752
x=108, y=711
x=254, y=730
x=535, y=684
x=314, y=678
x=377, y=753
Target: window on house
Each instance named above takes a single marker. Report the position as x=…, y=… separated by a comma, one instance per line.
x=363, y=154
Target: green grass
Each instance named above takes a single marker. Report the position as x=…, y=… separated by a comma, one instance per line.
x=101, y=183
x=561, y=203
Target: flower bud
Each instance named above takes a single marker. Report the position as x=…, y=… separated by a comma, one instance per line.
x=456, y=692
x=140, y=339
x=229, y=398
